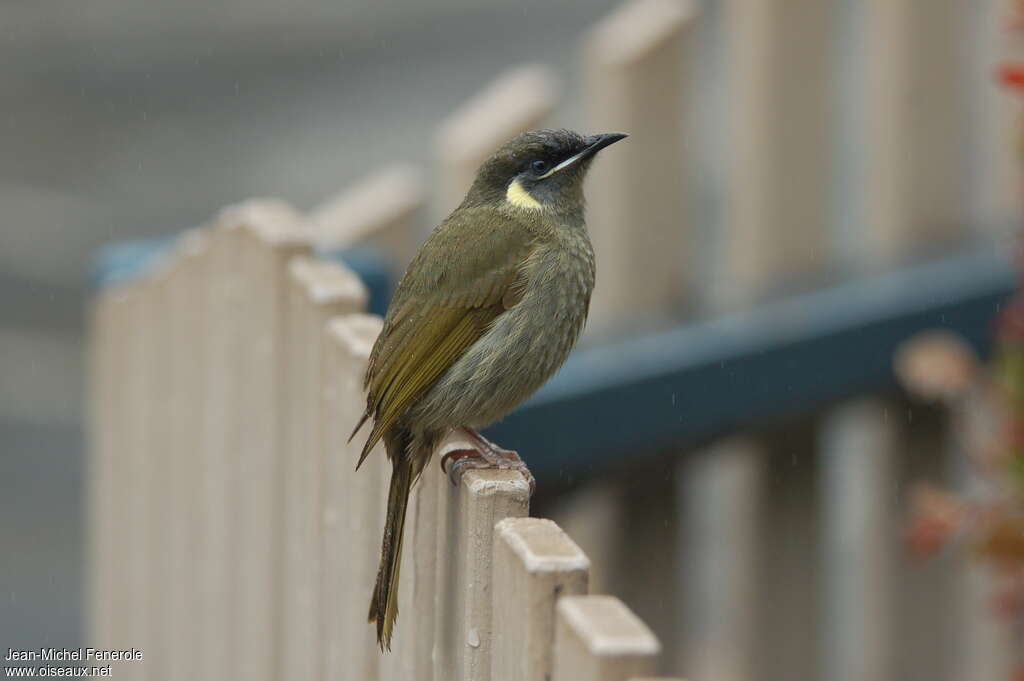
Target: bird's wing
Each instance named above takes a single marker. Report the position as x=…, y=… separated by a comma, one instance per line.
x=442, y=306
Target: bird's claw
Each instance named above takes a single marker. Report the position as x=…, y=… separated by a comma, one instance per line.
x=456, y=462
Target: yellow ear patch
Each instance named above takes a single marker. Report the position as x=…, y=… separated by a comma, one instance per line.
x=518, y=196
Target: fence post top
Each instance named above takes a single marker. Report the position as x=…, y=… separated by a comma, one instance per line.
x=355, y=333
x=326, y=282
x=392, y=193
x=637, y=29
x=542, y=545
x=606, y=627
x=489, y=482
x=497, y=113
x=273, y=220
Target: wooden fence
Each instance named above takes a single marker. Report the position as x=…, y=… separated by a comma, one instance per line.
x=231, y=538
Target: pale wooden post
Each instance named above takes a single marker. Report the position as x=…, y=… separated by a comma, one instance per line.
x=106, y=463
x=859, y=446
x=597, y=638
x=519, y=100
x=297, y=569
x=636, y=64
x=384, y=210
x=158, y=452
x=187, y=342
x=917, y=145
x=721, y=489
x=466, y=518
x=535, y=563
x=270, y=235
x=779, y=85
x=142, y=417
x=102, y=436
x=997, y=181
x=594, y=516
x=222, y=424
x=427, y=536
x=135, y=621
x=353, y=507
x=121, y=565
x=317, y=291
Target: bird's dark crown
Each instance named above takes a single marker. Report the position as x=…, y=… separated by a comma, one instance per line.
x=543, y=168
x=550, y=146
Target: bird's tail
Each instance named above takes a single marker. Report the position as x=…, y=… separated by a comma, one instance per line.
x=384, y=604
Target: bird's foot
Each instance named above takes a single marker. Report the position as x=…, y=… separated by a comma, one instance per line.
x=484, y=455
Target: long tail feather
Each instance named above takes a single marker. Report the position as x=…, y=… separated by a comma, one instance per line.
x=384, y=603
x=362, y=420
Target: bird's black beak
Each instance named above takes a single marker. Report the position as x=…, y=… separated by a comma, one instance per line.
x=596, y=143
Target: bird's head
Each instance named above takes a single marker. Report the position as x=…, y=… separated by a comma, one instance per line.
x=541, y=170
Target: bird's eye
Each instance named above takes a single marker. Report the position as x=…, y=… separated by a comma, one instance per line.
x=540, y=167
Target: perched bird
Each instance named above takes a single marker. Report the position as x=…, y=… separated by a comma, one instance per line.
x=486, y=312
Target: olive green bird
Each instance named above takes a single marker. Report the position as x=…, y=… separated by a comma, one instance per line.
x=486, y=312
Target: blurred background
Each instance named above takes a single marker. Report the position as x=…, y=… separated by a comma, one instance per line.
x=811, y=183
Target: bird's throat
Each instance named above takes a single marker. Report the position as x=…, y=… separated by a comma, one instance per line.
x=517, y=195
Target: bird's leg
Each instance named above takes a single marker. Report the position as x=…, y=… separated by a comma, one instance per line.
x=493, y=453
x=486, y=454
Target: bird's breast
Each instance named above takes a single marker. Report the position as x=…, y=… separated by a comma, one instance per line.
x=524, y=346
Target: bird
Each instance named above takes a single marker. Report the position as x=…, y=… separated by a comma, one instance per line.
x=487, y=310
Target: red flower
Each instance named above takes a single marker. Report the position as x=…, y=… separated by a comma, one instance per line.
x=1012, y=76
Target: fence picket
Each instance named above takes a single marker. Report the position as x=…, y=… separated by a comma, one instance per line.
x=859, y=448
x=535, y=563
x=996, y=171
x=720, y=489
x=187, y=341
x=160, y=490
x=636, y=81
x=352, y=504
x=140, y=616
x=467, y=515
x=271, y=234
x=222, y=422
x=779, y=78
x=597, y=638
x=317, y=291
x=110, y=543
x=915, y=173
x=99, y=471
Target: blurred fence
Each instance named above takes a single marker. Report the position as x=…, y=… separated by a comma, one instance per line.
x=231, y=538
